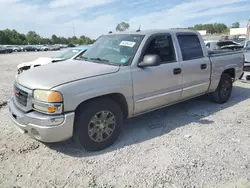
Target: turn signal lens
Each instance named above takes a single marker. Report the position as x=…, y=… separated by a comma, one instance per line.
x=52, y=109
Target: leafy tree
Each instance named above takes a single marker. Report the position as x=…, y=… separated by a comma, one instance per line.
x=55, y=39
x=123, y=26
x=33, y=38
x=235, y=25
x=12, y=37
x=212, y=28
x=198, y=27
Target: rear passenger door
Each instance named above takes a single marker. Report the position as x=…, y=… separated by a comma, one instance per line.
x=195, y=66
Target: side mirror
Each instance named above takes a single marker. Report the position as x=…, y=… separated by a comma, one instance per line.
x=151, y=60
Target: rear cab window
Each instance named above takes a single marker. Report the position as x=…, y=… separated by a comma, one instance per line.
x=190, y=46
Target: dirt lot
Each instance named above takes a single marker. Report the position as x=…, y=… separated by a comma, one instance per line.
x=192, y=144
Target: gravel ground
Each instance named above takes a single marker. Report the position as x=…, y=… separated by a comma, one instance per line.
x=193, y=144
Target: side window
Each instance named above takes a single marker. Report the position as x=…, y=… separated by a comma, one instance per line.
x=162, y=46
x=190, y=47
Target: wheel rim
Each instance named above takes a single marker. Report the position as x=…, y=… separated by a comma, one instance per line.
x=101, y=126
x=225, y=89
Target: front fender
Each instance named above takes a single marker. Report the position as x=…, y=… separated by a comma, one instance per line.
x=77, y=92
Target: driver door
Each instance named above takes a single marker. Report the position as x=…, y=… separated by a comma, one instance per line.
x=158, y=86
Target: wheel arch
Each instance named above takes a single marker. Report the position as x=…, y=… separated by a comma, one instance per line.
x=117, y=97
x=230, y=72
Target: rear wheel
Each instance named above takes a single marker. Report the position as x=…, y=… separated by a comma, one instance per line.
x=98, y=124
x=224, y=89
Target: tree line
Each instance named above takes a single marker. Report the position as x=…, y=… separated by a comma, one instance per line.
x=12, y=37
x=210, y=28
x=215, y=28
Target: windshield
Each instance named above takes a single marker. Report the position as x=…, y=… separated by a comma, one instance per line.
x=113, y=49
x=68, y=54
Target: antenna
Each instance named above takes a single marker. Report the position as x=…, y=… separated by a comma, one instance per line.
x=138, y=30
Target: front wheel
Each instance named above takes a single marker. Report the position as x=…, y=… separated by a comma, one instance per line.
x=224, y=89
x=98, y=124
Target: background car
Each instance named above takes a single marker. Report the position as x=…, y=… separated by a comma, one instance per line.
x=13, y=48
x=16, y=48
x=3, y=50
x=44, y=48
x=70, y=45
x=54, y=47
x=72, y=53
x=8, y=48
x=223, y=45
x=30, y=48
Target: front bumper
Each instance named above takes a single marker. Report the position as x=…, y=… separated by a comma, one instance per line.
x=46, y=128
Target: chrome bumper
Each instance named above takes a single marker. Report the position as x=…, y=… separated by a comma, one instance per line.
x=46, y=128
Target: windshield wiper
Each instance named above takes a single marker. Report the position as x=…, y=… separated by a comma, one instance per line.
x=82, y=58
x=105, y=61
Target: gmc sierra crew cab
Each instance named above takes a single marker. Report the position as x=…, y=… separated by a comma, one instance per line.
x=121, y=76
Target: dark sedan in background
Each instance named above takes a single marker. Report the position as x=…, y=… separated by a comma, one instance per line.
x=30, y=48
x=4, y=50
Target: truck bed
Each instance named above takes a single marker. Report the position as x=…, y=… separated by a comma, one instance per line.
x=213, y=53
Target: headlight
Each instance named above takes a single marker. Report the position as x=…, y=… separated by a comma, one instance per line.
x=47, y=96
x=48, y=101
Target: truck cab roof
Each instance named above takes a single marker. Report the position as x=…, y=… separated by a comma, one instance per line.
x=155, y=31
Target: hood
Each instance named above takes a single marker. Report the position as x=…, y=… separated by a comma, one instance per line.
x=49, y=76
x=39, y=61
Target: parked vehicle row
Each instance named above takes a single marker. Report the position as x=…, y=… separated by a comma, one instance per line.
x=120, y=76
x=29, y=48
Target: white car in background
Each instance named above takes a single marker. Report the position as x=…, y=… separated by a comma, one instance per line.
x=211, y=44
x=71, y=53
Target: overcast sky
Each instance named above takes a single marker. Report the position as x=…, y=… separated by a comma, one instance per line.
x=96, y=17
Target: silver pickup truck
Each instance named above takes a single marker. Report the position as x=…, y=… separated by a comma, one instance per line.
x=121, y=76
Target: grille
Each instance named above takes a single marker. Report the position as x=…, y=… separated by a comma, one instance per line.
x=21, y=96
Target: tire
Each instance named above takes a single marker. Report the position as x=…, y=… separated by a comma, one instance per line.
x=224, y=89
x=83, y=124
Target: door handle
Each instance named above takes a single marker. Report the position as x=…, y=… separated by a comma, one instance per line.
x=203, y=66
x=177, y=71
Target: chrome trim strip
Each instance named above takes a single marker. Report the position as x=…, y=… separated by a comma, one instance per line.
x=159, y=95
x=194, y=86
